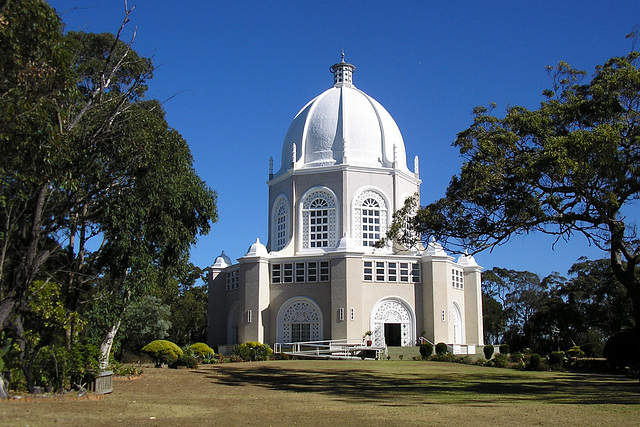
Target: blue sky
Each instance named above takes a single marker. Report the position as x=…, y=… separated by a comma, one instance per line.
x=235, y=73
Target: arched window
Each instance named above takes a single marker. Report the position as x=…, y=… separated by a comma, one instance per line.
x=280, y=224
x=299, y=319
x=319, y=228
x=370, y=220
x=457, y=325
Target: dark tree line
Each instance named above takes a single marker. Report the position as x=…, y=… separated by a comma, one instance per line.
x=555, y=313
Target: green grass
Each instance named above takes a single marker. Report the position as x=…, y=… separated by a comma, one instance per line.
x=346, y=392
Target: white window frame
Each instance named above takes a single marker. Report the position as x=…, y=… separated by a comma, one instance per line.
x=370, y=217
x=319, y=224
x=281, y=223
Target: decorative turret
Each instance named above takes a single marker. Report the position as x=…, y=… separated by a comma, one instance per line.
x=342, y=72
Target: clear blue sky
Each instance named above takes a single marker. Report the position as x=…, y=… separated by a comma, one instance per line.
x=235, y=73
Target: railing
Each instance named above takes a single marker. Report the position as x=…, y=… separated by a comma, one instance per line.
x=330, y=348
x=461, y=348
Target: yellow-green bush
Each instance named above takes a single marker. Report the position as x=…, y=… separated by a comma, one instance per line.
x=252, y=350
x=162, y=351
x=202, y=350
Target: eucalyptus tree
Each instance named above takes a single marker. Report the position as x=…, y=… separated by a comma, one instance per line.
x=571, y=166
x=98, y=192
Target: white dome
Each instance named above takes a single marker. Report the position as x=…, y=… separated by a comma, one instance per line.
x=222, y=261
x=257, y=249
x=343, y=125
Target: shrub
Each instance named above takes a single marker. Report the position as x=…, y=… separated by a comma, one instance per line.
x=441, y=348
x=162, y=351
x=504, y=348
x=252, y=350
x=556, y=359
x=188, y=360
x=488, y=351
x=535, y=362
x=499, y=361
x=426, y=350
x=120, y=370
x=575, y=351
x=619, y=349
x=202, y=350
x=516, y=357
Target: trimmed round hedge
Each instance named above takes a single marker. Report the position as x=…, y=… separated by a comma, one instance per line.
x=162, y=351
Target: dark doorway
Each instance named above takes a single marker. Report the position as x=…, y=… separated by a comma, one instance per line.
x=392, y=334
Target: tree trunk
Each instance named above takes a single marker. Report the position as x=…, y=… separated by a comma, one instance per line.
x=105, y=347
x=4, y=394
x=6, y=307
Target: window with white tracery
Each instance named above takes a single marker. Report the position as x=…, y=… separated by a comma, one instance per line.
x=370, y=218
x=319, y=224
x=319, y=228
x=280, y=226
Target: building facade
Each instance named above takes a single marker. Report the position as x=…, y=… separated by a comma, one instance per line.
x=319, y=277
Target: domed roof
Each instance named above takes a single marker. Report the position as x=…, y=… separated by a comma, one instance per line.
x=343, y=125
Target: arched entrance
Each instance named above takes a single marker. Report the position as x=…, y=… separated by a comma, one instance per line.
x=393, y=323
x=232, y=324
x=299, y=320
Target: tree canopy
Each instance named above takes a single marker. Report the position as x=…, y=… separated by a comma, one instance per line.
x=99, y=199
x=571, y=166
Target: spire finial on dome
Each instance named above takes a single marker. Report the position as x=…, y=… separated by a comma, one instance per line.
x=342, y=72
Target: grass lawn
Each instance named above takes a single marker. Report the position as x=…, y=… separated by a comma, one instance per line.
x=323, y=393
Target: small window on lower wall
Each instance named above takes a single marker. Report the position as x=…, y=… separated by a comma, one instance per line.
x=341, y=314
x=443, y=316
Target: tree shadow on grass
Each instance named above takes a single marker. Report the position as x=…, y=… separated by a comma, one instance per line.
x=401, y=388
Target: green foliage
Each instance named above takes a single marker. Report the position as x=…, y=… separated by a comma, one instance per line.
x=252, y=351
x=145, y=320
x=488, y=351
x=556, y=359
x=575, y=351
x=441, y=348
x=619, y=349
x=100, y=202
x=59, y=368
x=535, y=362
x=162, y=352
x=187, y=360
x=499, y=361
x=504, y=349
x=125, y=370
x=426, y=350
x=570, y=166
x=202, y=350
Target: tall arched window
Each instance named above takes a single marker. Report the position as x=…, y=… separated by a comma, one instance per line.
x=370, y=220
x=457, y=325
x=280, y=224
x=319, y=228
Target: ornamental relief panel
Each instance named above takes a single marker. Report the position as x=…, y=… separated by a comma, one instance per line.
x=392, y=311
x=300, y=312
